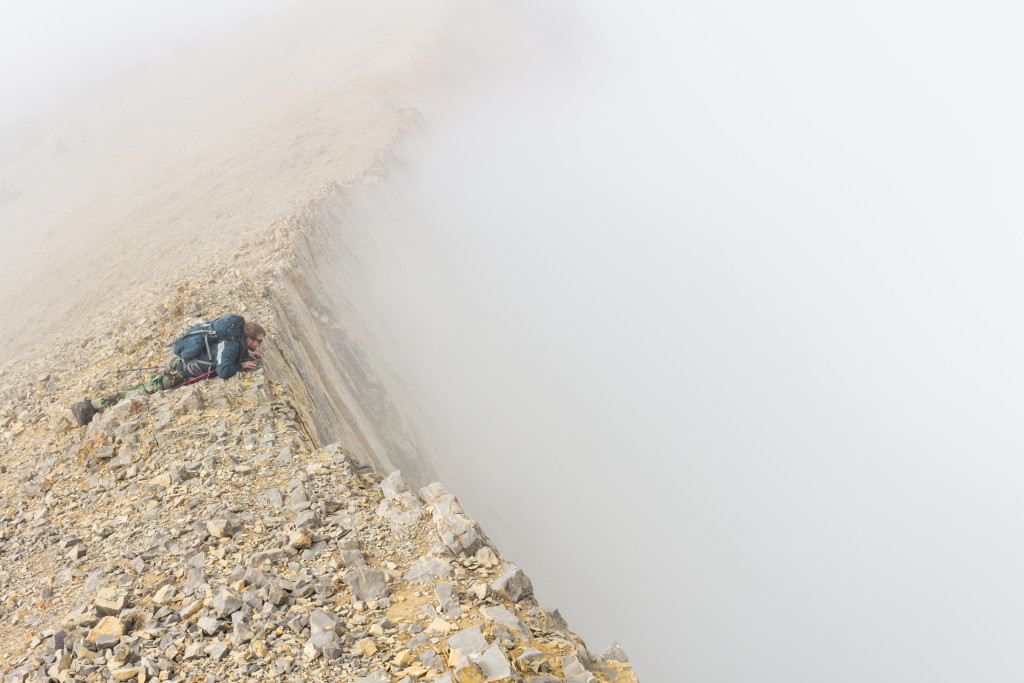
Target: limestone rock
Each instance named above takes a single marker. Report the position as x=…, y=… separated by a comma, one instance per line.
x=459, y=533
x=513, y=584
x=107, y=626
x=366, y=583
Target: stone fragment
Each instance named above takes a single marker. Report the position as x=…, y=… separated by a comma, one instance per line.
x=109, y=602
x=615, y=653
x=468, y=673
x=431, y=660
x=375, y=676
x=125, y=674
x=275, y=555
x=255, y=577
x=486, y=557
x=466, y=642
x=503, y=615
x=209, y=624
x=216, y=651
x=298, y=499
x=426, y=569
x=191, y=609
x=366, y=583
x=226, y=601
x=258, y=648
x=221, y=528
x=163, y=480
x=104, y=641
x=448, y=599
x=459, y=533
x=321, y=620
x=299, y=539
x=307, y=519
x=572, y=665
x=194, y=651
x=493, y=663
x=513, y=584
x=366, y=646
x=107, y=626
x=164, y=594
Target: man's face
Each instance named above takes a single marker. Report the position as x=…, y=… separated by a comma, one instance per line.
x=253, y=344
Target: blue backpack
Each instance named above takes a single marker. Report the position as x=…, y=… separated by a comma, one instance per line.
x=191, y=345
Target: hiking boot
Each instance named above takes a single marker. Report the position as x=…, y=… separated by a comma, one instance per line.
x=83, y=412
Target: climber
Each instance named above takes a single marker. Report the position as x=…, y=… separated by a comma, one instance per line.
x=222, y=347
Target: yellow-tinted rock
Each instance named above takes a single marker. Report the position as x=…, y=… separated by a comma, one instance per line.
x=258, y=648
x=469, y=675
x=162, y=480
x=107, y=626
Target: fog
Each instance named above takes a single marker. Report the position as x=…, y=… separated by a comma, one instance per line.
x=54, y=52
x=709, y=312
x=714, y=314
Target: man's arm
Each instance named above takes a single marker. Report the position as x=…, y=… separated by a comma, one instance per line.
x=225, y=354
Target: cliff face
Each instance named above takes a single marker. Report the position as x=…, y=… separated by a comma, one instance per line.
x=209, y=533
x=328, y=350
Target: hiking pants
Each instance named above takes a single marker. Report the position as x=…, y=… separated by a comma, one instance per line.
x=168, y=379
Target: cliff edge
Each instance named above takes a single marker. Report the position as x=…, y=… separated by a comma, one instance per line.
x=206, y=533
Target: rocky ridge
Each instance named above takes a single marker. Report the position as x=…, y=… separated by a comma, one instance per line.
x=202, y=534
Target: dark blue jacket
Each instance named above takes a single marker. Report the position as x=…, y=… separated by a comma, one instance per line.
x=227, y=357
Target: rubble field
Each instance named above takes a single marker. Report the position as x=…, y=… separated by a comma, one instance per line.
x=202, y=534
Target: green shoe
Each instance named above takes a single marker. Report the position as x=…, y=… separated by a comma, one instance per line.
x=83, y=412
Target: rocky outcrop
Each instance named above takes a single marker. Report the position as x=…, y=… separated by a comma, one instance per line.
x=207, y=534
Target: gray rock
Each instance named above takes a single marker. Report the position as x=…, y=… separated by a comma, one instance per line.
x=431, y=660
x=221, y=528
x=275, y=555
x=468, y=641
x=493, y=663
x=255, y=577
x=513, y=584
x=106, y=641
x=194, y=578
x=572, y=665
x=321, y=620
x=375, y=676
x=366, y=583
x=226, y=601
x=615, y=653
x=274, y=498
x=109, y=602
x=426, y=569
x=503, y=615
x=194, y=651
x=209, y=624
x=307, y=519
x=456, y=530
x=325, y=586
x=216, y=651
x=321, y=639
x=533, y=659
x=448, y=599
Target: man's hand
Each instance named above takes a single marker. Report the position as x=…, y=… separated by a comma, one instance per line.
x=256, y=354
x=248, y=365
